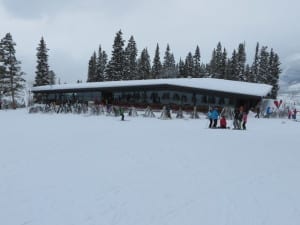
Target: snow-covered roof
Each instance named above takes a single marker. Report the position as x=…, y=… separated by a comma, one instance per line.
x=211, y=84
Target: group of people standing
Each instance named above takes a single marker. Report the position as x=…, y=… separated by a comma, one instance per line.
x=240, y=117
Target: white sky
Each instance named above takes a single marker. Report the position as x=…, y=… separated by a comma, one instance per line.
x=73, y=29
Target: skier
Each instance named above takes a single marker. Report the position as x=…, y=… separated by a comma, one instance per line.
x=215, y=117
x=122, y=113
x=294, y=114
x=244, y=120
x=223, y=123
x=236, y=118
x=209, y=116
x=290, y=113
x=268, y=112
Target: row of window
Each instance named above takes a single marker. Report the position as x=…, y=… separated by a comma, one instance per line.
x=146, y=97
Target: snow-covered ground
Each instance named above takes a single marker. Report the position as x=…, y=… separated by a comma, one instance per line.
x=64, y=169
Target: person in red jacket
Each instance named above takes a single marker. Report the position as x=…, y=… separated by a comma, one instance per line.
x=223, y=123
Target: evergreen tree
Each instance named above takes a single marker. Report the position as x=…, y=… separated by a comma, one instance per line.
x=169, y=68
x=157, y=66
x=2, y=70
x=241, y=60
x=247, y=73
x=12, y=81
x=223, y=65
x=115, y=66
x=197, y=65
x=181, y=68
x=130, y=64
x=233, y=73
x=42, y=68
x=101, y=65
x=218, y=61
x=263, y=71
x=255, y=65
x=204, y=70
x=144, y=67
x=189, y=65
x=274, y=71
x=92, y=70
x=212, y=65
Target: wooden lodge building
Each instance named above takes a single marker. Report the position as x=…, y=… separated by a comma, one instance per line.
x=179, y=92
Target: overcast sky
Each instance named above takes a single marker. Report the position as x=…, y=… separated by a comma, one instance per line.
x=73, y=29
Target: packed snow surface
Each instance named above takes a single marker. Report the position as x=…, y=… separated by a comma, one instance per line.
x=66, y=169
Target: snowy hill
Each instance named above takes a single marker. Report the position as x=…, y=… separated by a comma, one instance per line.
x=59, y=169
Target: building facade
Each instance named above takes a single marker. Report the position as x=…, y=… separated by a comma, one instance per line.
x=182, y=92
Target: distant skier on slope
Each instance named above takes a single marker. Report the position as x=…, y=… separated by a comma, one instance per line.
x=122, y=113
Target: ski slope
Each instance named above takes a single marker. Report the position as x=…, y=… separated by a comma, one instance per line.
x=59, y=169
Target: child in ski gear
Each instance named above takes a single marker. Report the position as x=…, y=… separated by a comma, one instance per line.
x=215, y=117
x=122, y=113
x=268, y=112
x=244, y=119
x=209, y=115
x=223, y=123
x=290, y=113
x=294, y=114
x=236, y=118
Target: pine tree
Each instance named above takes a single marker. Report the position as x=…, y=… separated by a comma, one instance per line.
x=233, y=67
x=169, y=68
x=115, y=66
x=197, y=64
x=130, y=64
x=241, y=60
x=255, y=65
x=12, y=81
x=218, y=61
x=144, y=67
x=101, y=65
x=2, y=70
x=212, y=65
x=247, y=73
x=157, y=66
x=204, y=70
x=42, y=68
x=92, y=70
x=274, y=71
x=181, y=68
x=189, y=65
x=223, y=66
x=263, y=71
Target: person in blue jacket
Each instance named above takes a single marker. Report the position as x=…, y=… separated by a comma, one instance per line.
x=209, y=116
x=215, y=117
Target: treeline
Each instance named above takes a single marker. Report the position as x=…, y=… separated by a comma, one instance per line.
x=12, y=82
x=125, y=64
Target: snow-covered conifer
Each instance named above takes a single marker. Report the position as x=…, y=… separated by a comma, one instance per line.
x=130, y=60
x=156, y=66
x=144, y=67
x=42, y=68
x=115, y=66
x=189, y=65
x=12, y=82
